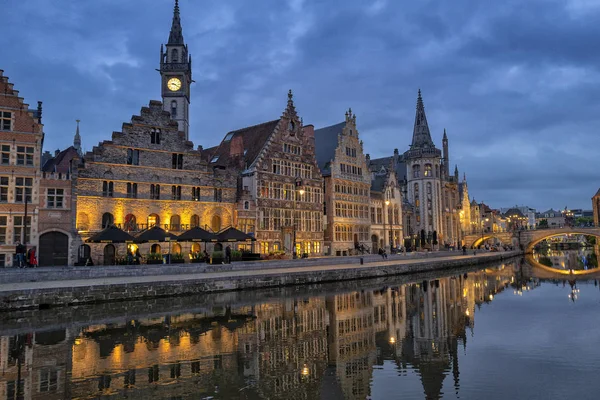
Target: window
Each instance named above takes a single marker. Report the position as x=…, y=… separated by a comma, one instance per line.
x=214, y=159
x=5, y=120
x=195, y=220
x=176, y=192
x=153, y=220
x=175, y=224
x=107, y=188
x=173, y=108
x=132, y=190
x=3, y=223
x=18, y=229
x=55, y=198
x=130, y=223
x=229, y=136
x=196, y=193
x=427, y=170
x=3, y=189
x=218, y=195
x=416, y=171
x=155, y=136
x=291, y=148
x=5, y=154
x=246, y=205
x=153, y=375
x=24, y=155
x=155, y=192
x=48, y=380
x=177, y=161
x=107, y=220
x=23, y=187
x=174, y=55
x=133, y=157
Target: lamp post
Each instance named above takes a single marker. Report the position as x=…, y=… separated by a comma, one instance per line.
x=301, y=192
x=386, y=203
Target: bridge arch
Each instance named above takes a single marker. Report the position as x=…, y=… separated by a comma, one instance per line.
x=568, y=272
x=503, y=237
x=537, y=238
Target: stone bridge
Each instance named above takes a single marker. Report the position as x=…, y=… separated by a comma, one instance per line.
x=527, y=238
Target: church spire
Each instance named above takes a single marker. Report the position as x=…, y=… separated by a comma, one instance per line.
x=421, y=134
x=176, y=35
x=77, y=139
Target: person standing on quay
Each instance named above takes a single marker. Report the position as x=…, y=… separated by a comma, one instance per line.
x=20, y=250
x=228, y=254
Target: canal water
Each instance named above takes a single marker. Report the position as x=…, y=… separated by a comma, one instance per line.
x=508, y=331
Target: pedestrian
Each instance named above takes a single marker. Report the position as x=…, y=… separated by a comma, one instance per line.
x=138, y=256
x=31, y=258
x=228, y=254
x=20, y=251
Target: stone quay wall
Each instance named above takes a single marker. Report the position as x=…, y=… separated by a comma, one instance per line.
x=65, y=293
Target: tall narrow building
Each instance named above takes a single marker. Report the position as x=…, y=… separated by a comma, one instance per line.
x=176, y=74
x=423, y=162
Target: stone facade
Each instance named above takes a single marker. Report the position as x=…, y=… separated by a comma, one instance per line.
x=21, y=139
x=386, y=212
x=347, y=185
x=147, y=175
x=280, y=181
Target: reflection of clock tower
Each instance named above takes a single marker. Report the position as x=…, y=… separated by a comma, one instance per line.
x=176, y=75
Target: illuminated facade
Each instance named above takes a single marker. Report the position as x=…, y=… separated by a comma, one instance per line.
x=21, y=140
x=347, y=186
x=279, y=180
x=386, y=211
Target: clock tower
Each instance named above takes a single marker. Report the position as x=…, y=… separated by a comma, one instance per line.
x=176, y=74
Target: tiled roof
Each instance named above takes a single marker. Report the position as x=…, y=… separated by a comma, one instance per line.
x=326, y=141
x=253, y=139
x=61, y=163
x=514, y=212
x=378, y=183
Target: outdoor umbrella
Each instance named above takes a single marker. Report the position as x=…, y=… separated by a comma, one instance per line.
x=155, y=234
x=112, y=234
x=197, y=234
x=233, y=235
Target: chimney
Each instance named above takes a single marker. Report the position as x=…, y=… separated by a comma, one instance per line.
x=39, y=112
x=236, y=146
x=309, y=134
x=395, y=152
x=56, y=152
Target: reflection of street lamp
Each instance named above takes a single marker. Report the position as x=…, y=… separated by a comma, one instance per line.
x=392, y=340
x=387, y=203
x=305, y=370
x=301, y=191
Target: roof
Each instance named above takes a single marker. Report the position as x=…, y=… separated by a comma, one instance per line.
x=597, y=193
x=155, y=234
x=514, y=212
x=378, y=183
x=326, y=142
x=197, y=234
x=112, y=234
x=233, y=235
x=399, y=165
x=421, y=135
x=61, y=162
x=252, y=138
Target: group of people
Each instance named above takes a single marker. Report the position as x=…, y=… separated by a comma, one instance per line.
x=25, y=258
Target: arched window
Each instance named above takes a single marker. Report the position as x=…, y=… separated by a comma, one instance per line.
x=155, y=248
x=107, y=220
x=153, y=219
x=215, y=223
x=176, y=248
x=174, y=56
x=84, y=253
x=427, y=170
x=416, y=171
x=130, y=223
x=195, y=221
x=173, y=108
x=195, y=248
x=175, y=222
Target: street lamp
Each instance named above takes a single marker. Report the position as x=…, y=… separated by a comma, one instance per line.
x=387, y=203
x=301, y=191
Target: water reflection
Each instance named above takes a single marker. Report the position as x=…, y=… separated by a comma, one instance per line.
x=568, y=252
x=320, y=347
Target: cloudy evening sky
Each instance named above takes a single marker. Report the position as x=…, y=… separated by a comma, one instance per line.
x=515, y=83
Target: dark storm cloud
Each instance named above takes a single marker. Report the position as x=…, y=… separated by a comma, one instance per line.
x=516, y=84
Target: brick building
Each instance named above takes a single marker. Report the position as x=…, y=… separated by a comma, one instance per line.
x=21, y=140
x=347, y=185
x=280, y=185
x=150, y=174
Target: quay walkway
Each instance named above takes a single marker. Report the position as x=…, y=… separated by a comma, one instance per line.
x=119, y=284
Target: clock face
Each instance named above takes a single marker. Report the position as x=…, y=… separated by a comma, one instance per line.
x=174, y=84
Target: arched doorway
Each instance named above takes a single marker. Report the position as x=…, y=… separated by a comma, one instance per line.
x=176, y=248
x=215, y=223
x=374, y=243
x=84, y=253
x=54, y=249
x=194, y=221
x=155, y=248
x=130, y=223
x=195, y=248
x=109, y=254
x=218, y=247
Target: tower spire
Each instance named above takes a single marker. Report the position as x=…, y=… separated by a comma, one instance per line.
x=176, y=34
x=421, y=134
x=77, y=138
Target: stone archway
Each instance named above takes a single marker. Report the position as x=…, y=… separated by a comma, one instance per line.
x=54, y=249
x=109, y=254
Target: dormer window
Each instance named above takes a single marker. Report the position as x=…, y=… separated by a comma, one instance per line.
x=215, y=159
x=228, y=137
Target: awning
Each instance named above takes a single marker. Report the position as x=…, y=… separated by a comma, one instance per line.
x=233, y=235
x=112, y=234
x=155, y=234
x=197, y=234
